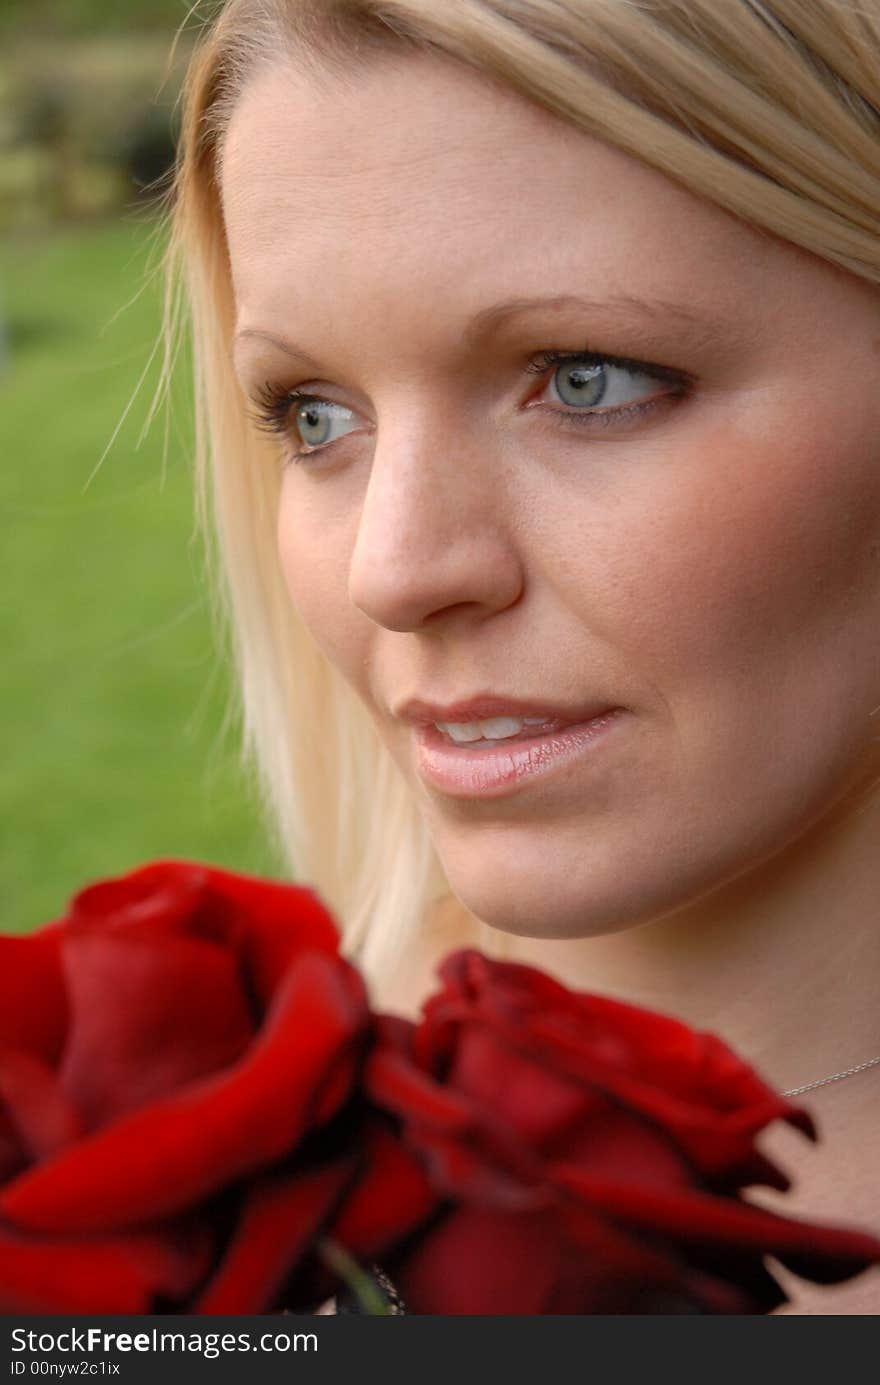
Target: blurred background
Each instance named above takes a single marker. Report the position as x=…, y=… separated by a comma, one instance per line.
x=117, y=747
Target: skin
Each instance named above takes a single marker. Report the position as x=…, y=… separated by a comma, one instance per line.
x=710, y=565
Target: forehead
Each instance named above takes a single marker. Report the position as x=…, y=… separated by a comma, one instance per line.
x=416, y=176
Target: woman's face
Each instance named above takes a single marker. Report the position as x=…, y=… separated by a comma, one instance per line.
x=678, y=523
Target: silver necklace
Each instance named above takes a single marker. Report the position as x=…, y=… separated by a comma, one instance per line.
x=835, y=1077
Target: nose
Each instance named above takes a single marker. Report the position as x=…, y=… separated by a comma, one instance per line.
x=435, y=537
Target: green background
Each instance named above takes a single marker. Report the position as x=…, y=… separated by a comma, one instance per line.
x=114, y=692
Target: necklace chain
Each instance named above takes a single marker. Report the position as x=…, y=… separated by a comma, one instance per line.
x=835, y=1077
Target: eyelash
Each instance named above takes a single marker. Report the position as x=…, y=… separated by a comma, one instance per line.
x=274, y=403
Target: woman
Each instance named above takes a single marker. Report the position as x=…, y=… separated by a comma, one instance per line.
x=538, y=354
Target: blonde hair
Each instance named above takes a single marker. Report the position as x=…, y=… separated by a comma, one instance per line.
x=768, y=108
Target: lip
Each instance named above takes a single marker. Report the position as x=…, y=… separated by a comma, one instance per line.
x=493, y=769
x=487, y=705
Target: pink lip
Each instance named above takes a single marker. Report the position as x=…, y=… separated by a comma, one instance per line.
x=485, y=706
x=487, y=769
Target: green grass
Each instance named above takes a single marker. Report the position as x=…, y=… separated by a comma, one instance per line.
x=89, y=16
x=113, y=694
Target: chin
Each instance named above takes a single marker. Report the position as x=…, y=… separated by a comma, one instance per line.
x=543, y=905
x=578, y=884
x=543, y=882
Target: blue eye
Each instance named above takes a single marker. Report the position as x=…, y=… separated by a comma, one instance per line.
x=317, y=420
x=580, y=385
x=588, y=381
x=596, y=389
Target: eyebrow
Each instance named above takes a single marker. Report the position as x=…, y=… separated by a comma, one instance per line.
x=626, y=310
x=623, y=306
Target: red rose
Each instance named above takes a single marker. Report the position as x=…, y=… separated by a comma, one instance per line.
x=172, y=1055
x=591, y=1153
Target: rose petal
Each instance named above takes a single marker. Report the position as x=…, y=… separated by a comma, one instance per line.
x=718, y=1144
x=12, y=1156
x=161, y=898
x=277, y=920
x=485, y=1262
x=503, y=1115
x=716, y=1138
x=692, y=1216
x=279, y=1220
x=539, y=1103
x=40, y=1111
x=396, y=1085
x=179, y=1150
x=33, y=1001
x=390, y=1198
x=268, y=922
x=147, y=1019
x=651, y=1057
x=467, y=1170
x=95, y=1275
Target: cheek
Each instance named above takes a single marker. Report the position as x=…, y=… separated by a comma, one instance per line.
x=314, y=544
x=752, y=549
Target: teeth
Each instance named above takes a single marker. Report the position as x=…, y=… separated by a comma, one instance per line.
x=496, y=728
x=461, y=731
x=492, y=729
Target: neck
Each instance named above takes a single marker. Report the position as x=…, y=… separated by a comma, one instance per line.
x=782, y=963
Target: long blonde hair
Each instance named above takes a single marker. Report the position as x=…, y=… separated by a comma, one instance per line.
x=768, y=108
